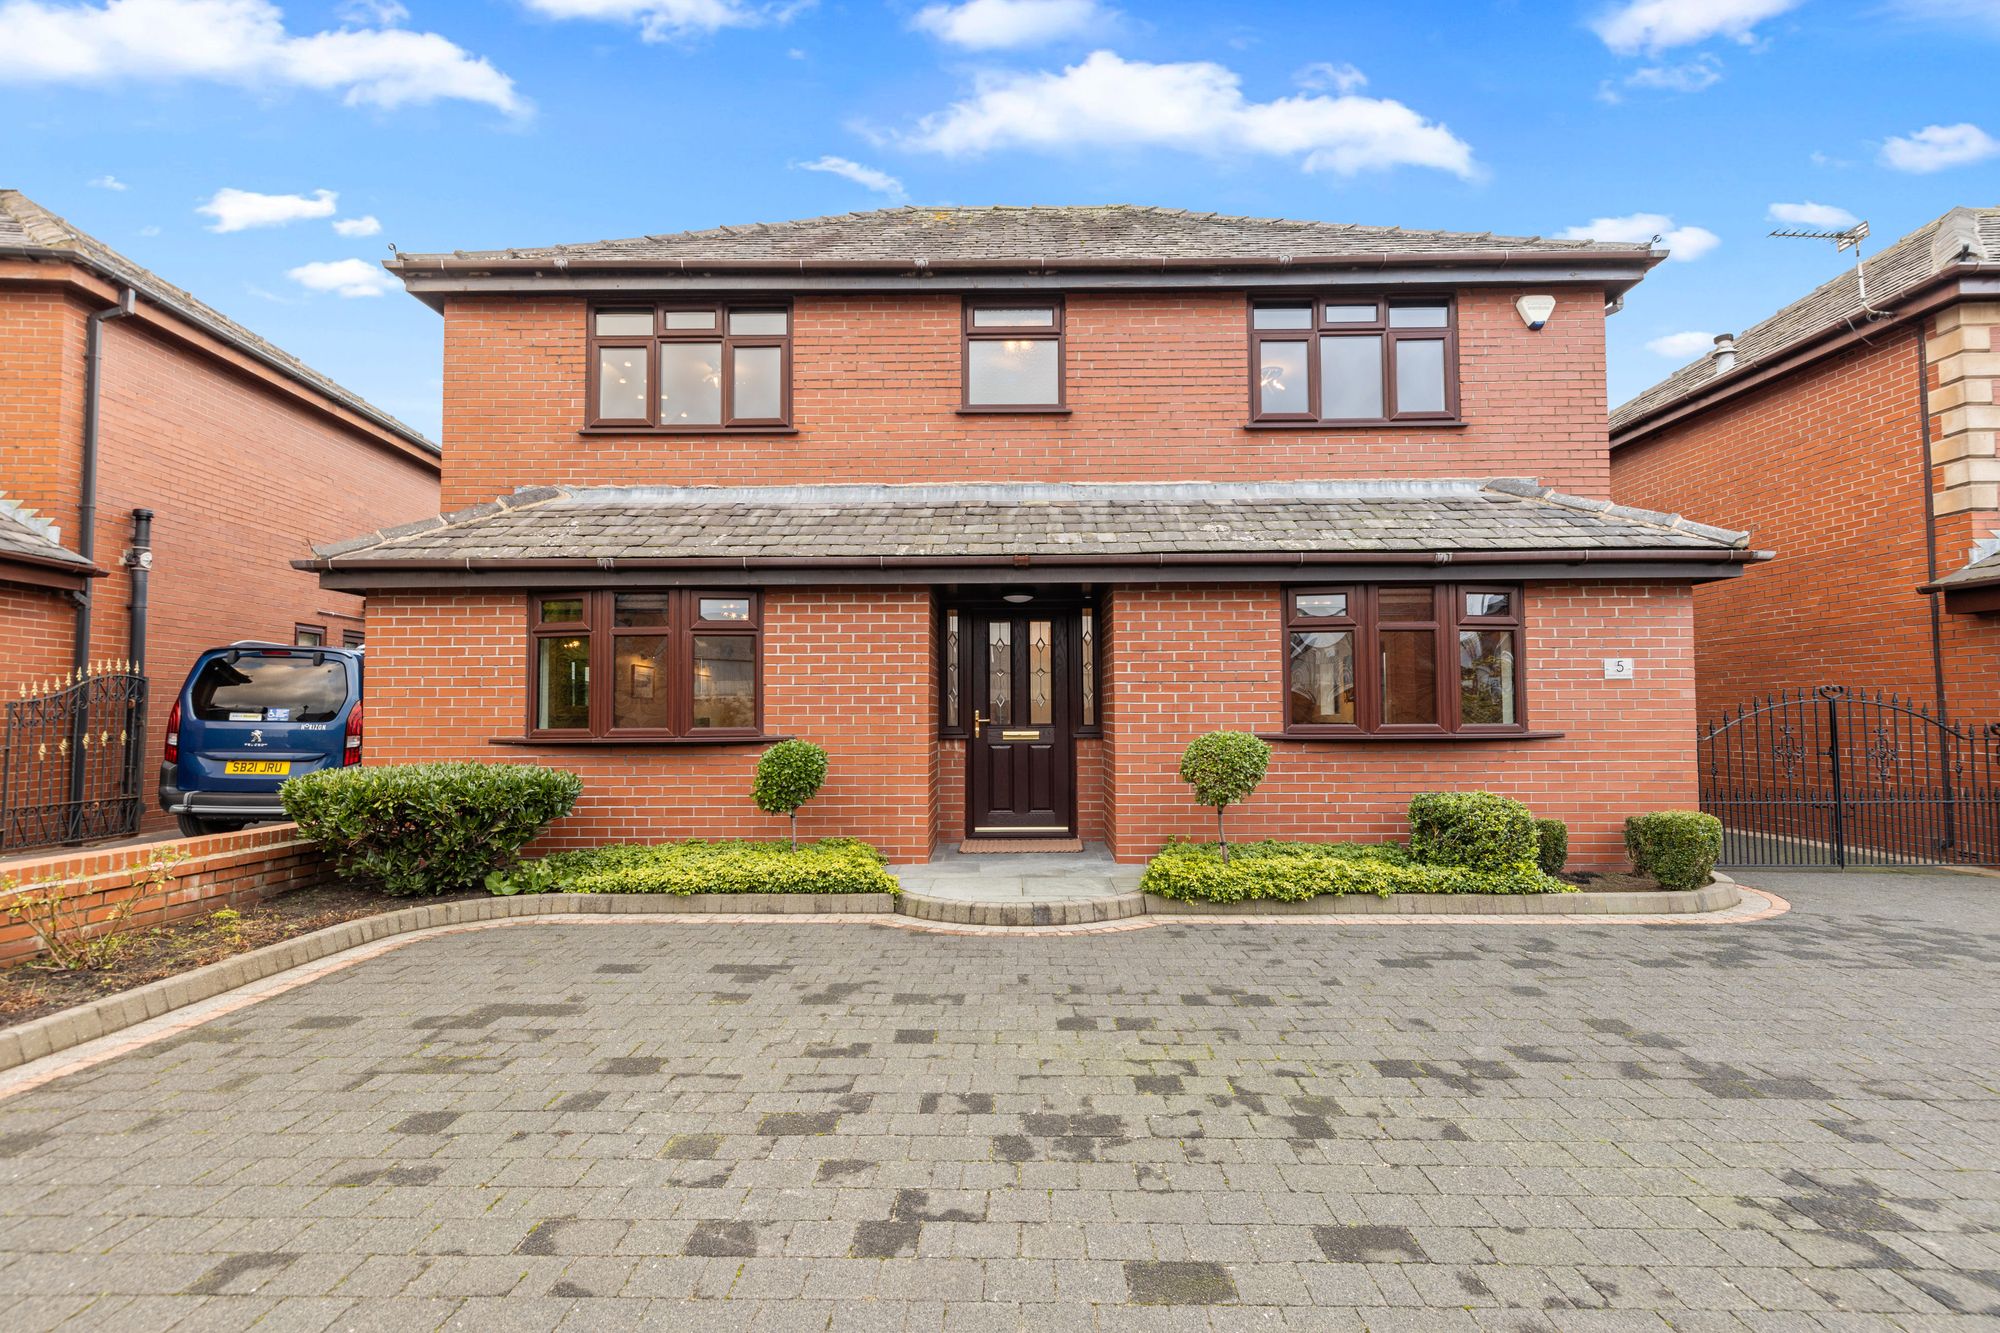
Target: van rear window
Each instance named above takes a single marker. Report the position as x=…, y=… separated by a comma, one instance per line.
x=270, y=689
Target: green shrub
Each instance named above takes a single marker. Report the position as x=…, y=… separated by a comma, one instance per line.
x=1552, y=845
x=1224, y=767
x=417, y=829
x=1294, y=871
x=526, y=877
x=788, y=775
x=1474, y=829
x=1679, y=848
x=831, y=865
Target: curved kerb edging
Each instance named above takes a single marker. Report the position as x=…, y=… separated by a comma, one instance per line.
x=112, y=1013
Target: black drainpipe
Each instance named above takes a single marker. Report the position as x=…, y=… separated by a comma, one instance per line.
x=86, y=524
x=140, y=558
x=1930, y=524
x=86, y=513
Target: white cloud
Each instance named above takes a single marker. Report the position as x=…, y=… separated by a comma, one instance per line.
x=343, y=277
x=240, y=210
x=1109, y=102
x=109, y=183
x=1810, y=214
x=1681, y=346
x=1659, y=25
x=658, y=20
x=1324, y=74
x=992, y=25
x=381, y=13
x=149, y=230
x=1935, y=147
x=881, y=182
x=1692, y=76
x=362, y=226
x=1685, y=242
x=238, y=42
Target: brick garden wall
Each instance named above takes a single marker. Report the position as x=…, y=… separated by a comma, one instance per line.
x=226, y=870
x=36, y=629
x=849, y=669
x=1158, y=384
x=1627, y=747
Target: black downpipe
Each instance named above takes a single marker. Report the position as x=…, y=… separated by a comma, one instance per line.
x=86, y=524
x=140, y=558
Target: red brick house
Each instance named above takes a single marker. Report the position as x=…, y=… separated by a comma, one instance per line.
x=1005, y=505
x=1856, y=437
x=120, y=392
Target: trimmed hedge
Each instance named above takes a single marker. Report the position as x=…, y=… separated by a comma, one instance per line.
x=1552, y=845
x=1474, y=829
x=1679, y=848
x=1294, y=871
x=789, y=774
x=423, y=829
x=831, y=865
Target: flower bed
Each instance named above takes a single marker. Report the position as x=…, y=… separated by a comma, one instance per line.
x=1295, y=871
x=832, y=865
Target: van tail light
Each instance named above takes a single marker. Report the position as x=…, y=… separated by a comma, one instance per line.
x=351, y=753
x=174, y=733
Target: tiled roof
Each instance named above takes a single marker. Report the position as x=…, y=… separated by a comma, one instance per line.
x=1981, y=571
x=28, y=228
x=1962, y=236
x=1050, y=522
x=1109, y=232
x=26, y=535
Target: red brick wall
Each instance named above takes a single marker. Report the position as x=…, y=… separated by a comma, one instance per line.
x=1627, y=746
x=849, y=669
x=36, y=629
x=241, y=475
x=1090, y=794
x=1158, y=384
x=1827, y=470
x=227, y=870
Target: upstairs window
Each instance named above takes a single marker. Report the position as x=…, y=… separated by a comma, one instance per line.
x=1013, y=356
x=1353, y=361
x=691, y=366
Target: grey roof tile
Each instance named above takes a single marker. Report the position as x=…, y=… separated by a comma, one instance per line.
x=867, y=522
x=1962, y=236
x=1000, y=234
x=28, y=228
x=26, y=533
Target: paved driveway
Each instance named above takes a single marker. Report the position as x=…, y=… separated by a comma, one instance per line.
x=1788, y=1125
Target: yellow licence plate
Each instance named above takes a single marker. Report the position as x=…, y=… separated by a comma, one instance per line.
x=258, y=767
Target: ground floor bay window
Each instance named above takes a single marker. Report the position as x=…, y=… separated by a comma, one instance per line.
x=644, y=665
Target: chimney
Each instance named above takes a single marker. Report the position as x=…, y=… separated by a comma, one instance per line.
x=1724, y=354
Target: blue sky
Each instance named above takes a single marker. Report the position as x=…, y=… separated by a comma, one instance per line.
x=198, y=135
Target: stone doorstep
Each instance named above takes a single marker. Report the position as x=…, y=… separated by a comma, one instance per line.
x=87, y=1022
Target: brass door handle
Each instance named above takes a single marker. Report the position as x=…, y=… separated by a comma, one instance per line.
x=978, y=722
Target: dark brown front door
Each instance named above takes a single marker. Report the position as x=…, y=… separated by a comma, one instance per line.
x=1021, y=763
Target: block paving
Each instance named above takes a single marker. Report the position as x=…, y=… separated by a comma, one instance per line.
x=1785, y=1125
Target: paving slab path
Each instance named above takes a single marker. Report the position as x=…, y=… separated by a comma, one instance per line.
x=1783, y=1125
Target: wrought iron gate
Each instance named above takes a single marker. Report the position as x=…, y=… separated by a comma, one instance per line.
x=1833, y=776
x=71, y=759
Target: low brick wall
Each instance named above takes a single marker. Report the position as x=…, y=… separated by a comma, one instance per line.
x=225, y=870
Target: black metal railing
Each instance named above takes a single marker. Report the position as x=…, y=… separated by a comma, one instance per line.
x=1832, y=776
x=71, y=759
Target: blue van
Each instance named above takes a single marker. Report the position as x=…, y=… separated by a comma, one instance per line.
x=250, y=716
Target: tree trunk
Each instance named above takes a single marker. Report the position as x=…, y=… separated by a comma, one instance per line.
x=1222, y=841
x=795, y=830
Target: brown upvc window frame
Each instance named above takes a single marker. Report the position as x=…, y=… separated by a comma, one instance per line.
x=1055, y=331
x=300, y=632
x=599, y=629
x=1319, y=327
x=662, y=336
x=1448, y=619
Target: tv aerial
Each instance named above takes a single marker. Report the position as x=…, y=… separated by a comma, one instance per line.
x=1845, y=239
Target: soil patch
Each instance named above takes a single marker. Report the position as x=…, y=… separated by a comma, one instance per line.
x=1611, y=881
x=30, y=990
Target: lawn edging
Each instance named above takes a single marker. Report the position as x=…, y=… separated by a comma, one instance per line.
x=1721, y=895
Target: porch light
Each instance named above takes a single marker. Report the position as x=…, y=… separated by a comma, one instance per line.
x=1017, y=597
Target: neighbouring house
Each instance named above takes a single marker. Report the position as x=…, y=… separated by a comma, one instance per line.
x=149, y=442
x=1854, y=432
x=1003, y=506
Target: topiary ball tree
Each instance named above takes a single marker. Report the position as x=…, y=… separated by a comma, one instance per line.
x=1224, y=767
x=789, y=774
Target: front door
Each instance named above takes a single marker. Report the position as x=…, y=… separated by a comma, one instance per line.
x=1021, y=761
